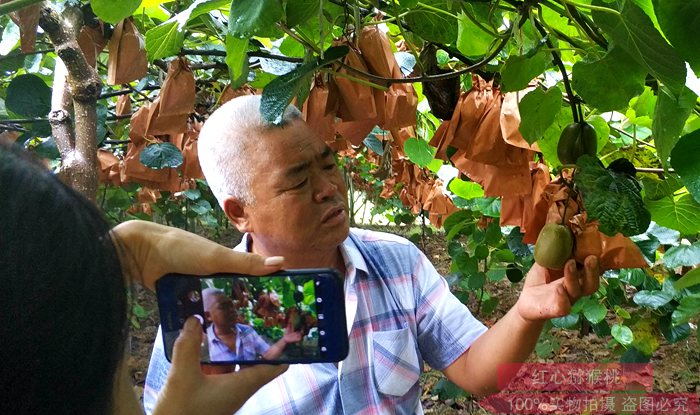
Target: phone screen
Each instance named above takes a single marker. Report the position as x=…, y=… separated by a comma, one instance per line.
x=294, y=316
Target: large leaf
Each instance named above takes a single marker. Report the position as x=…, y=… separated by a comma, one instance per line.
x=299, y=11
x=433, y=23
x=594, y=311
x=681, y=213
x=670, y=115
x=683, y=255
x=418, y=151
x=652, y=299
x=622, y=334
x=685, y=159
x=655, y=189
x=690, y=279
x=465, y=190
x=167, y=38
x=632, y=30
x=249, y=18
x=114, y=11
x=688, y=308
x=680, y=22
x=29, y=96
x=280, y=91
x=161, y=156
x=612, y=198
x=519, y=70
x=609, y=83
x=538, y=110
x=549, y=141
x=237, y=60
x=471, y=40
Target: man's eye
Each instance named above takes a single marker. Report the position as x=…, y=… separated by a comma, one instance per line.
x=329, y=166
x=300, y=185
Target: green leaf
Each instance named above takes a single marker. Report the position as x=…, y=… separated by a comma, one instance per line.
x=683, y=255
x=664, y=235
x=418, y=151
x=280, y=91
x=685, y=160
x=299, y=11
x=433, y=25
x=632, y=276
x=688, y=308
x=481, y=252
x=566, y=322
x=548, y=143
x=518, y=70
x=114, y=11
x=633, y=31
x=467, y=265
x=602, y=130
x=515, y=243
x=622, y=334
x=445, y=389
x=673, y=334
x=538, y=110
x=594, y=311
x=167, y=38
x=476, y=281
x=471, y=40
x=655, y=189
x=249, y=18
x=161, y=156
x=690, y=279
x=681, y=213
x=652, y=299
x=200, y=207
x=464, y=189
x=670, y=115
x=237, y=60
x=609, y=83
x=28, y=95
x=612, y=198
x=680, y=22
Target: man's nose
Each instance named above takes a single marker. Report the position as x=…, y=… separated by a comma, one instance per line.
x=324, y=187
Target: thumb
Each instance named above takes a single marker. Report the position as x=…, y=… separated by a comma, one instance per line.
x=250, y=379
x=186, y=349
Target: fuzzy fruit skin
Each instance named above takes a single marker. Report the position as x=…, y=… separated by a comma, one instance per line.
x=576, y=140
x=554, y=246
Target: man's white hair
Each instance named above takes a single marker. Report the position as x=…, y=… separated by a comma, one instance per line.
x=209, y=297
x=225, y=143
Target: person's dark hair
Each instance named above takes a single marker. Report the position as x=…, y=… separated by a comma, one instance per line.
x=63, y=298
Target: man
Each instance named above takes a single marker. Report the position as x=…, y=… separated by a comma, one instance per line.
x=280, y=185
x=229, y=340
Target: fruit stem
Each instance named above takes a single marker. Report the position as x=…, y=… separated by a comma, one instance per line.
x=557, y=60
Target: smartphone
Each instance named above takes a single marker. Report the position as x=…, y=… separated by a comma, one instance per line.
x=291, y=316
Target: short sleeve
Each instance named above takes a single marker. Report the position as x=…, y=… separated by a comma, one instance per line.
x=446, y=327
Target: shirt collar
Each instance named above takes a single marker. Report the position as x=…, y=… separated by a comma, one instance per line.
x=351, y=255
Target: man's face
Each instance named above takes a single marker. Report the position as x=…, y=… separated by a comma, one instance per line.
x=300, y=194
x=223, y=313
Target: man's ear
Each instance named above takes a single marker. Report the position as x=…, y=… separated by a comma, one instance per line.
x=236, y=213
x=207, y=315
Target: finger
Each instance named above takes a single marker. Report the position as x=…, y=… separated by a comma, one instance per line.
x=571, y=281
x=591, y=275
x=186, y=349
x=222, y=259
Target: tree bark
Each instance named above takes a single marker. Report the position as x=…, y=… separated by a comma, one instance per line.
x=74, y=80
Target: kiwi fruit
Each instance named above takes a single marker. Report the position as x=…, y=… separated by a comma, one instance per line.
x=576, y=139
x=554, y=246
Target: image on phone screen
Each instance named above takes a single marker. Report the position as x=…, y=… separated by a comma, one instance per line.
x=294, y=316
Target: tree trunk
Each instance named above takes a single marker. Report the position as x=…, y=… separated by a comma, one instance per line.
x=76, y=85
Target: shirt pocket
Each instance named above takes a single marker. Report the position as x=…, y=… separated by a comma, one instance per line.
x=395, y=361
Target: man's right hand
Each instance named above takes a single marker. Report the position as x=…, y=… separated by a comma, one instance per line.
x=189, y=391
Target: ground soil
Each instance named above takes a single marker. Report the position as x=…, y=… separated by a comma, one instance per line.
x=676, y=367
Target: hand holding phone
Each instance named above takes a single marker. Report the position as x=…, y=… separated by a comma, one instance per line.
x=293, y=316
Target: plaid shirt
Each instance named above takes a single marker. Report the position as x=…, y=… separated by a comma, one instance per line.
x=400, y=313
x=249, y=345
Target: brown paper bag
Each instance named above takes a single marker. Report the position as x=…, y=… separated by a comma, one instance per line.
x=165, y=124
x=92, y=42
x=107, y=161
x=190, y=166
x=315, y=111
x=127, y=54
x=613, y=252
x=27, y=19
x=177, y=94
x=496, y=180
x=510, y=121
x=123, y=106
x=355, y=132
x=229, y=93
x=356, y=100
x=139, y=124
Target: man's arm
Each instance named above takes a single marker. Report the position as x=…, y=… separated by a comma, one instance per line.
x=513, y=338
x=277, y=349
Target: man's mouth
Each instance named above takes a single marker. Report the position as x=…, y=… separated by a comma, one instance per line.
x=333, y=214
